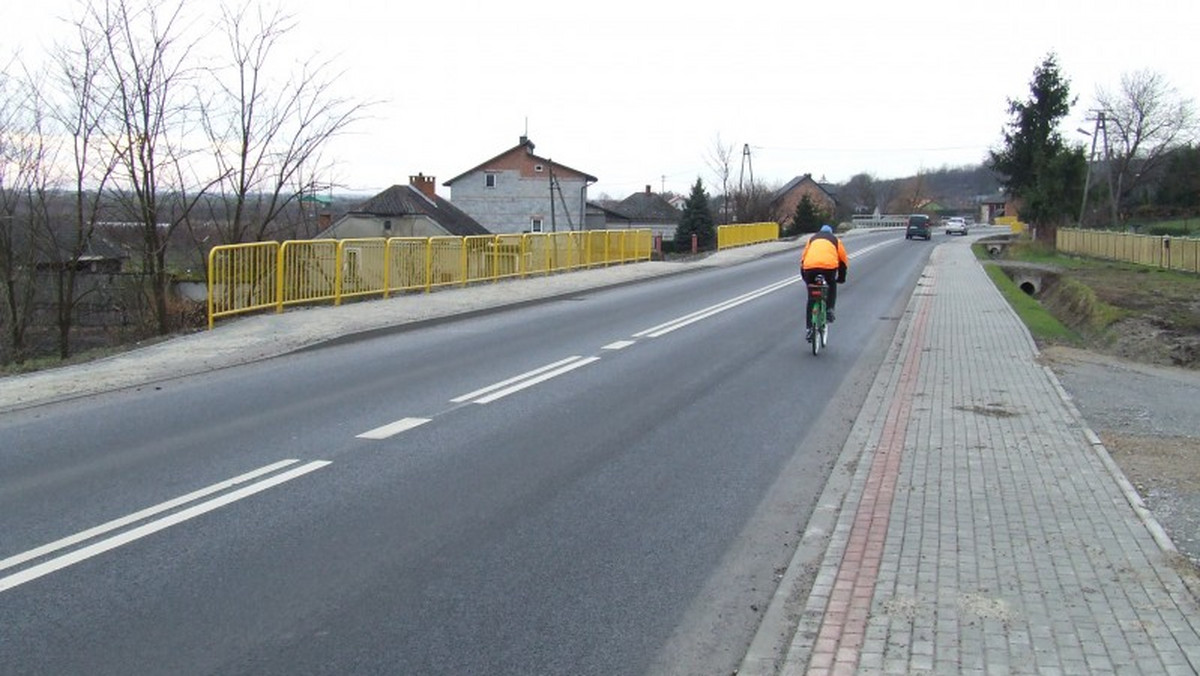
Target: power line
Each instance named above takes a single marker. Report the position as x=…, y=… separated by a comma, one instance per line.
x=869, y=150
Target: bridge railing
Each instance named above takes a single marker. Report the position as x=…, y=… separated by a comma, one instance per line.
x=883, y=221
x=244, y=278
x=744, y=234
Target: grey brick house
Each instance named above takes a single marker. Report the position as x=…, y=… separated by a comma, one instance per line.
x=518, y=191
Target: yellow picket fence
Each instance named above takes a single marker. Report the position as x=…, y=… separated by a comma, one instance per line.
x=1173, y=253
x=245, y=278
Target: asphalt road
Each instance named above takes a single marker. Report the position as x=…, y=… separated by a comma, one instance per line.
x=604, y=483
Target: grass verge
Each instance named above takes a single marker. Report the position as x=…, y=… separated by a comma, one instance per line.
x=1046, y=329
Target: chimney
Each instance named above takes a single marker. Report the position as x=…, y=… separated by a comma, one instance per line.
x=648, y=190
x=426, y=184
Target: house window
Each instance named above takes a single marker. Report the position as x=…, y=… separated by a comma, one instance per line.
x=535, y=225
x=537, y=168
x=489, y=180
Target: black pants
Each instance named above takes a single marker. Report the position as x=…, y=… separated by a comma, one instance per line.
x=810, y=277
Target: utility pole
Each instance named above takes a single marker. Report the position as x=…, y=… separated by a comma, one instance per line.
x=553, y=225
x=1087, y=177
x=746, y=162
x=1112, y=195
x=1100, y=129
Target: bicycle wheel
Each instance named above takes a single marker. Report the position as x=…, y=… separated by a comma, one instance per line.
x=818, y=329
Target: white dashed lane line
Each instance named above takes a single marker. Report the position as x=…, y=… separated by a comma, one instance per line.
x=392, y=429
x=619, y=345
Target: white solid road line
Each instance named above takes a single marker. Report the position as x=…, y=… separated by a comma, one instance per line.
x=393, y=429
x=140, y=515
x=680, y=322
x=578, y=363
x=71, y=558
x=528, y=379
x=505, y=383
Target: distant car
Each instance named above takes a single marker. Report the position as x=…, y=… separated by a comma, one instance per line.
x=956, y=225
x=918, y=227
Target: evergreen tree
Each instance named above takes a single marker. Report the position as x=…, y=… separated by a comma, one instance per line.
x=808, y=218
x=696, y=219
x=1036, y=165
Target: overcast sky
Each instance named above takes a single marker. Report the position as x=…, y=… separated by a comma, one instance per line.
x=637, y=93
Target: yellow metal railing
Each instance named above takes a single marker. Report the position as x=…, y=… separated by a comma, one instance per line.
x=1015, y=224
x=408, y=261
x=362, y=267
x=242, y=278
x=245, y=278
x=308, y=271
x=742, y=234
x=1174, y=253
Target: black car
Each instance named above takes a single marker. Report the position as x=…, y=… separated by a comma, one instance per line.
x=918, y=226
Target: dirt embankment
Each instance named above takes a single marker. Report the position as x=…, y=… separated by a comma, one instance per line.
x=1141, y=314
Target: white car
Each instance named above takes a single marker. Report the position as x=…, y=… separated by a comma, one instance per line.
x=956, y=225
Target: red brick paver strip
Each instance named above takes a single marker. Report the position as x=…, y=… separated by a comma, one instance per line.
x=841, y=636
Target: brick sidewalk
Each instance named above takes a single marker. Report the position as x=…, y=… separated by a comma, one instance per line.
x=985, y=529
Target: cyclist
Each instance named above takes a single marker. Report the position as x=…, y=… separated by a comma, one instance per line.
x=824, y=255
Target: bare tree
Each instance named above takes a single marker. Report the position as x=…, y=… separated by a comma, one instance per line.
x=17, y=259
x=720, y=161
x=911, y=195
x=859, y=195
x=149, y=69
x=267, y=127
x=753, y=203
x=80, y=112
x=1145, y=120
x=23, y=163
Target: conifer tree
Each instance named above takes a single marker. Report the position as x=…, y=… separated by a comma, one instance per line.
x=807, y=218
x=696, y=219
x=1036, y=164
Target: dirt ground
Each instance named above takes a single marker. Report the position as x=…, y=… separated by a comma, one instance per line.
x=1134, y=374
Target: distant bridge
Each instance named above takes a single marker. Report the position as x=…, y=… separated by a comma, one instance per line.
x=881, y=221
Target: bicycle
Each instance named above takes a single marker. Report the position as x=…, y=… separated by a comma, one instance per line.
x=818, y=335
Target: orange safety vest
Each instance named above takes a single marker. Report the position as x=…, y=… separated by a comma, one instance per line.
x=824, y=252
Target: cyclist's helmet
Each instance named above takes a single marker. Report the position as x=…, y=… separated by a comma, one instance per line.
x=826, y=228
